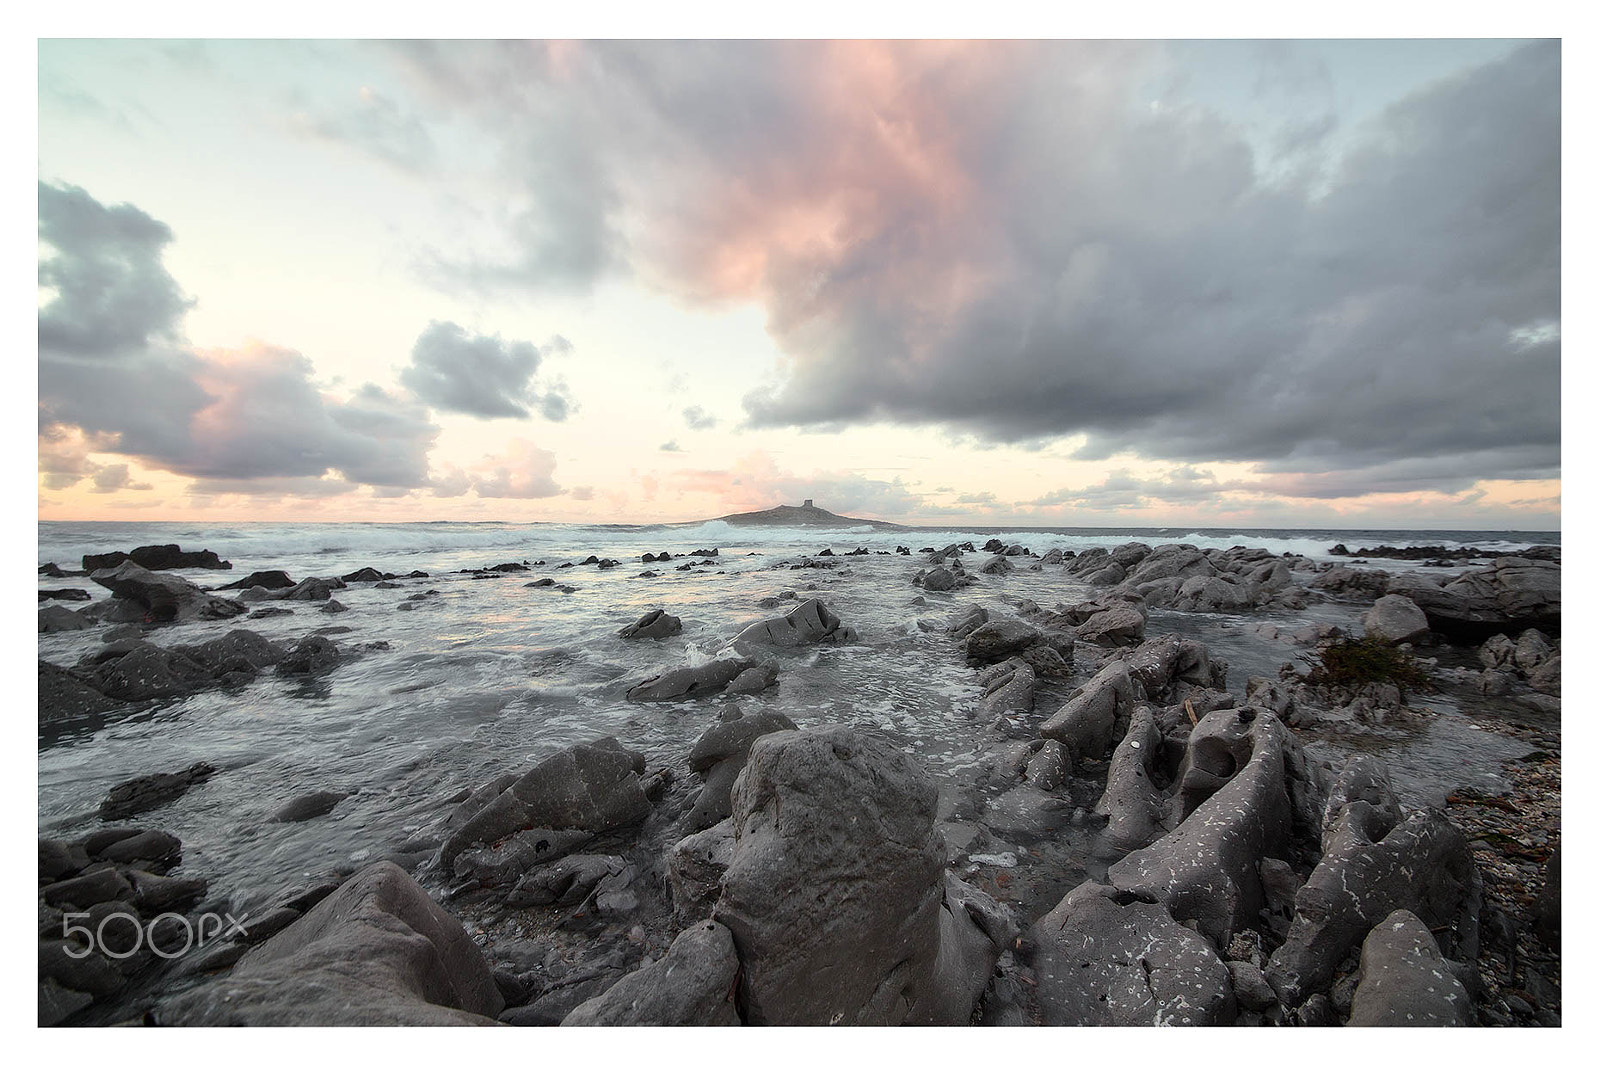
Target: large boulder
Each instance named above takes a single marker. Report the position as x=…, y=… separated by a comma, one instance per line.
x=835, y=886
x=1133, y=803
x=1404, y=979
x=1243, y=790
x=809, y=623
x=1367, y=872
x=1106, y=959
x=691, y=683
x=692, y=985
x=589, y=787
x=1508, y=596
x=1395, y=620
x=1000, y=639
x=375, y=952
x=164, y=597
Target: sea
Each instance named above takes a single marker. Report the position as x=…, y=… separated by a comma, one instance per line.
x=489, y=676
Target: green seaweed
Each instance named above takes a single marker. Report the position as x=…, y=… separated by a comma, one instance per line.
x=1350, y=663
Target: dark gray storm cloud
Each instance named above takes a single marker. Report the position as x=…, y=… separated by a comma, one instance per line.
x=1011, y=240
x=111, y=364
x=481, y=375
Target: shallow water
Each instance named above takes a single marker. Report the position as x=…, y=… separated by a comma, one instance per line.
x=489, y=676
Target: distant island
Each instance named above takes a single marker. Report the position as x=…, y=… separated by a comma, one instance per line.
x=807, y=514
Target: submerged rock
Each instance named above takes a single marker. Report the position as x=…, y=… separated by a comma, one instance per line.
x=809, y=623
x=655, y=624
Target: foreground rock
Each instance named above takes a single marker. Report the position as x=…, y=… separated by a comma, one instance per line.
x=873, y=938
x=1405, y=981
x=719, y=756
x=1396, y=620
x=376, y=952
x=692, y=985
x=1102, y=959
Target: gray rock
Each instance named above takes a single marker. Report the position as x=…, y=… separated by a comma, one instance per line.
x=997, y=565
x=594, y=788
x=310, y=655
x=692, y=985
x=309, y=806
x=1396, y=620
x=1243, y=785
x=518, y=854
x=656, y=624
x=568, y=880
x=964, y=623
x=57, y=1004
x=1531, y=650
x=1104, y=960
x=1423, y=866
x=999, y=639
x=835, y=888
x=695, y=867
x=691, y=683
x=164, y=597
x=377, y=951
x=809, y=623
x=1512, y=593
x=939, y=580
x=56, y=619
x=757, y=679
x=152, y=791
x=1008, y=689
x=1250, y=987
x=1132, y=802
x=64, y=694
x=1087, y=723
x=1405, y=980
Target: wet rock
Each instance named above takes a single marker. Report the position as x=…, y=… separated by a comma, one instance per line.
x=88, y=889
x=309, y=806
x=1001, y=639
x=164, y=597
x=1508, y=596
x=269, y=613
x=809, y=623
x=691, y=683
x=57, y=1004
x=157, y=558
x=57, y=619
x=719, y=755
x=1107, y=959
x=655, y=624
x=962, y=626
x=692, y=985
x=268, y=580
x=366, y=574
x=377, y=951
x=310, y=655
x=64, y=694
x=151, y=791
x=1405, y=980
x=938, y=580
x=1396, y=620
x=1115, y=622
x=568, y=880
x=147, y=846
x=997, y=565
x=508, y=861
x=594, y=788
x=1423, y=866
x=755, y=679
x=64, y=594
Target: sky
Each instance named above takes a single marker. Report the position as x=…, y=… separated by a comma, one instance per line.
x=1067, y=283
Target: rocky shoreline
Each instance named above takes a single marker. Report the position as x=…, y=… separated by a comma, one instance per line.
x=1142, y=846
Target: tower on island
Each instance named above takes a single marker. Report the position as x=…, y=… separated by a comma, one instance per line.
x=808, y=503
